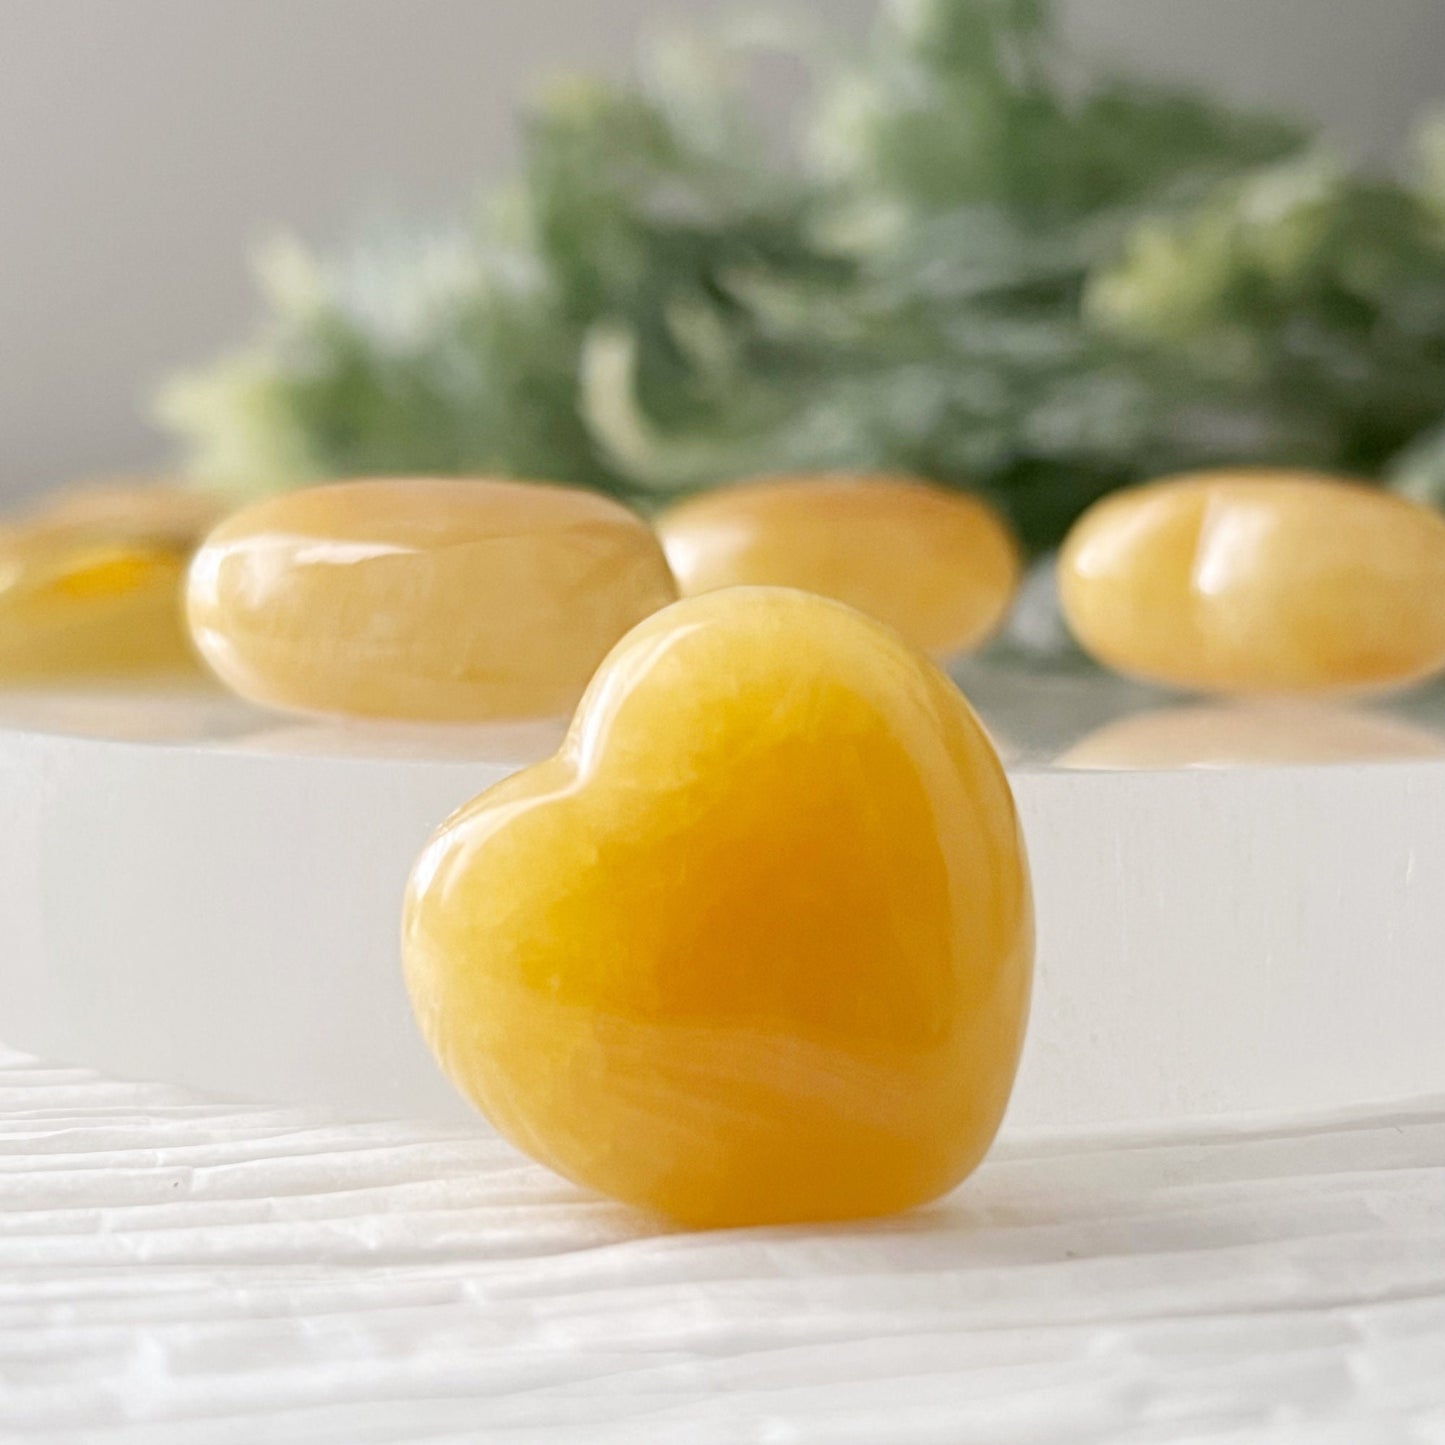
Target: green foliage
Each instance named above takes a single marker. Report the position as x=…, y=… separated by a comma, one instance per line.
x=976, y=264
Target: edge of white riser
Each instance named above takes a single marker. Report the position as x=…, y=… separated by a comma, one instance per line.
x=1210, y=941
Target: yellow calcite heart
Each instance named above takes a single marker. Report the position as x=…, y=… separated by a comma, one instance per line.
x=1259, y=582
x=431, y=600
x=756, y=944
x=939, y=566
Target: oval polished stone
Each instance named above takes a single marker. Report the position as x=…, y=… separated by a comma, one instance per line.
x=941, y=567
x=83, y=605
x=756, y=944
x=432, y=600
x=136, y=508
x=91, y=582
x=1258, y=582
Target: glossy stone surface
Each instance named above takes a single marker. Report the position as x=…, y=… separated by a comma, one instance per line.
x=1259, y=582
x=756, y=944
x=83, y=604
x=436, y=600
x=135, y=508
x=939, y=566
x=91, y=582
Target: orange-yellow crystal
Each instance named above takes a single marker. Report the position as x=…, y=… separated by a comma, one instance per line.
x=941, y=567
x=756, y=944
x=1259, y=582
x=140, y=509
x=91, y=583
x=433, y=600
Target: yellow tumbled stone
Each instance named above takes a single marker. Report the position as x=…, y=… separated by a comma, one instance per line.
x=91, y=583
x=939, y=566
x=1259, y=582
x=428, y=599
x=154, y=510
x=80, y=604
x=756, y=944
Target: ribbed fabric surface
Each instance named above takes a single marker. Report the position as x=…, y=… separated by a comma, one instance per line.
x=177, y=1271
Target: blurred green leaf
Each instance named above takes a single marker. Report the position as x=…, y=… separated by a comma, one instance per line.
x=978, y=263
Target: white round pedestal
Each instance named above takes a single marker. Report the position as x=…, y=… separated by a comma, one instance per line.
x=1239, y=908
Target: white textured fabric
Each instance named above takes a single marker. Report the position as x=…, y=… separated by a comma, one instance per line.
x=181, y=1272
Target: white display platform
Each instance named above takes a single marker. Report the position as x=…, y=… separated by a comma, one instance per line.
x=1240, y=909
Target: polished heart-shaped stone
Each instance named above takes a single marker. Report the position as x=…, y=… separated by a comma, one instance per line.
x=756, y=944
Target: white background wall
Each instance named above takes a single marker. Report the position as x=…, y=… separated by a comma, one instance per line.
x=144, y=144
